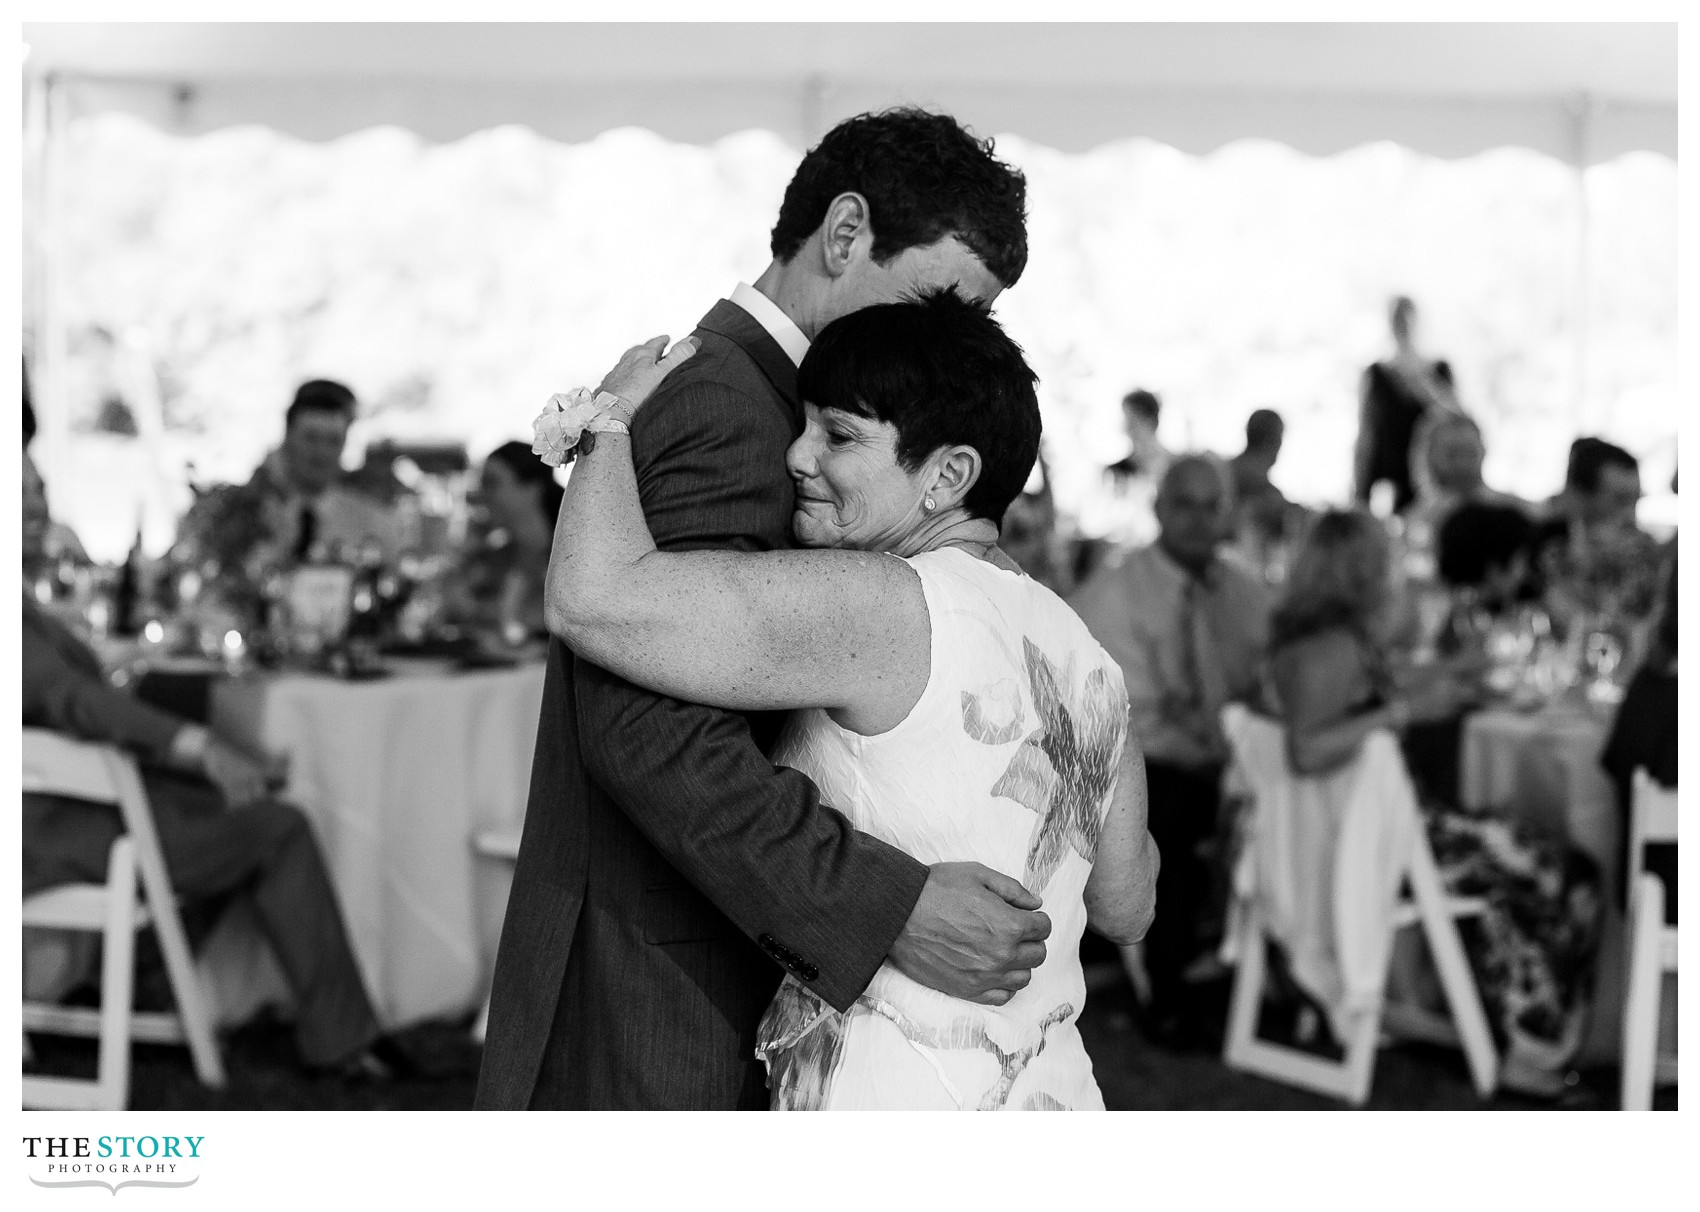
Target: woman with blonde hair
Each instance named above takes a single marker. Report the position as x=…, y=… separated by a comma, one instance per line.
x=1333, y=680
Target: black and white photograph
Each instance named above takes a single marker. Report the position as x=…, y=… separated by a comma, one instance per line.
x=806, y=565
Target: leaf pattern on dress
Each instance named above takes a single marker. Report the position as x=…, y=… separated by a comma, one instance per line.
x=994, y=715
x=1065, y=768
x=1043, y=1102
x=964, y=1033
x=801, y=1040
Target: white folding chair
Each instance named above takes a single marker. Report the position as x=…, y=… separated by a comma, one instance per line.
x=57, y=765
x=1422, y=902
x=502, y=845
x=1651, y=949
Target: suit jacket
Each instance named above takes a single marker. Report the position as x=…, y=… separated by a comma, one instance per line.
x=64, y=690
x=668, y=873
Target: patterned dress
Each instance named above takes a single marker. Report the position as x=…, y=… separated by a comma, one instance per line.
x=1008, y=759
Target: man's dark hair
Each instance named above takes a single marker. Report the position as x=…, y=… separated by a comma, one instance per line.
x=1589, y=457
x=320, y=395
x=1476, y=539
x=1145, y=403
x=945, y=373
x=924, y=177
x=1263, y=428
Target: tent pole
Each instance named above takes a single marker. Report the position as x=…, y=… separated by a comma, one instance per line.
x=45, y=143
x=1587, y=415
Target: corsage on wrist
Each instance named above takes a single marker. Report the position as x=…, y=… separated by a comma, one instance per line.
x=569, y=423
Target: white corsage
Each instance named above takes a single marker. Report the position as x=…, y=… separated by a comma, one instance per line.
x=558, y=428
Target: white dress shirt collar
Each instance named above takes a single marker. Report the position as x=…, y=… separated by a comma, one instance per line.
x=779, y=326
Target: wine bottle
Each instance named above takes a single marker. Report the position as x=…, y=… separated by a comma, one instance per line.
x=128, y=596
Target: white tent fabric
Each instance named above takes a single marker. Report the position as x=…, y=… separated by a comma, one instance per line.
x=1583, y=93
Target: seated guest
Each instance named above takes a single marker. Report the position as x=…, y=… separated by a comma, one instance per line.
x=1589, y=556
x=61, y=541
x=1644, y=736
x=1332, y=682
x=1188, y=630
x=299, y=503
x=501, y=581
x=1482, y=555
x=221, y=832
x=1451, y=452
x=1029, y=535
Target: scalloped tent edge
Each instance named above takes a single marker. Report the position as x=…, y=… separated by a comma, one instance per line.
x=1582, y=93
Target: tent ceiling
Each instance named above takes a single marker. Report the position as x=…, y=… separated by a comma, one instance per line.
x=1578, y=91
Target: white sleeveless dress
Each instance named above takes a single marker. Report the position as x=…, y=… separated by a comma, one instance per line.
x=1007, y=759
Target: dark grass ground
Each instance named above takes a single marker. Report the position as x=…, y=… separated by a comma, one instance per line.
x=1134, y=1074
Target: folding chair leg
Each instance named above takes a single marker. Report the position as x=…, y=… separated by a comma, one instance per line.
x=1453, y=965
x=186, y=990
x=1641, y=997
x=1248, y=987
x=117, y=982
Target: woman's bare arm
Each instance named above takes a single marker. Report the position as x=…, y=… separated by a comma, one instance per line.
x=1121, y=892
x=747, y=631
x=1318, y=680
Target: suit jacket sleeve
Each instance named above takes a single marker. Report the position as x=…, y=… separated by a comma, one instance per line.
x=66, y=698
x=754, y=838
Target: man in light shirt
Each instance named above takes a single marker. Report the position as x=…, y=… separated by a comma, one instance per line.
x=1189, y=630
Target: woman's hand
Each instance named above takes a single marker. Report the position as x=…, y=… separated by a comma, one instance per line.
x=641, y=368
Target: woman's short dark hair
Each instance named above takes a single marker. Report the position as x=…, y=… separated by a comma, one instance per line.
x=944, y=373
x=924, y=177
x=529, y=469
x=1476, y=539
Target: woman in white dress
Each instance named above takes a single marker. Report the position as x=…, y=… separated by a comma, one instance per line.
x=945, y=702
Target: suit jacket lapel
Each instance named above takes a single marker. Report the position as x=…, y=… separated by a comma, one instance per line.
x=729, y=320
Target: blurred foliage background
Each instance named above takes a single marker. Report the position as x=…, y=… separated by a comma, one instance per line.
x=455, y=286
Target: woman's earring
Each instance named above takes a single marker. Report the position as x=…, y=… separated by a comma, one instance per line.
x=930, y=504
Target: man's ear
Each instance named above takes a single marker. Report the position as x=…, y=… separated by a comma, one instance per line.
x=957, y=471
x=846, y=224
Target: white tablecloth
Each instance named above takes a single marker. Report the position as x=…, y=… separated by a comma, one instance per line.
x=1544, y=767
x=396, y=775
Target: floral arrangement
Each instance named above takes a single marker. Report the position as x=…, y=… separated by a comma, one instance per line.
x=1616, y=576
x=229, y=537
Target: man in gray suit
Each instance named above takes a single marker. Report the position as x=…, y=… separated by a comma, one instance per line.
x=668, y=874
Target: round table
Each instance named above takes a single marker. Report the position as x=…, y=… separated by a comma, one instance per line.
x=1543, y=767
x=396, y=774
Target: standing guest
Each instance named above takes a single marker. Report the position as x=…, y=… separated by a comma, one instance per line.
x=298, y=501
x=1188, y=630
x=1142, y=410
x=1263, y=513
x=501, y=580
x=222, y=833
x=1121, y=517
x=1333, y=682
x=1395, y=395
